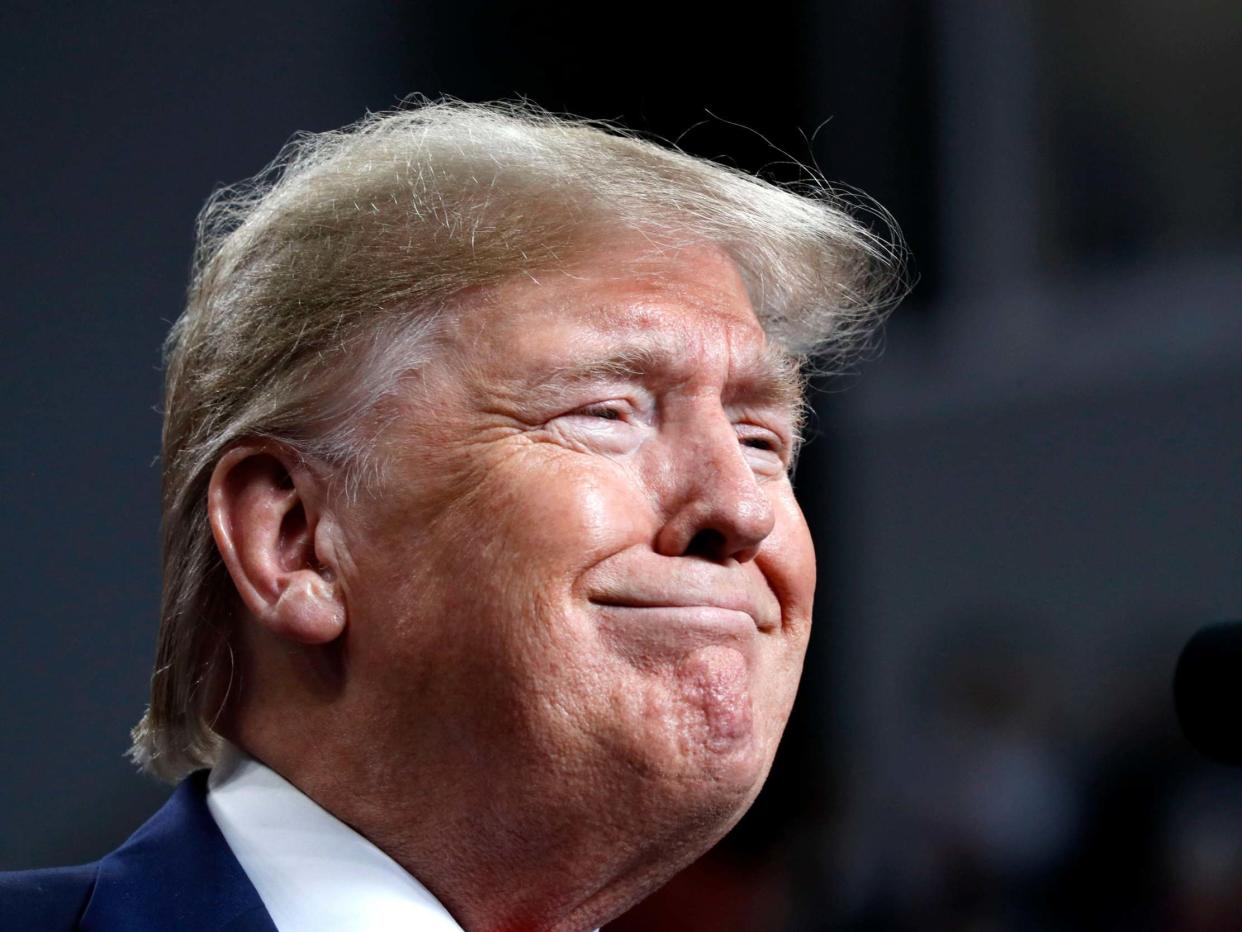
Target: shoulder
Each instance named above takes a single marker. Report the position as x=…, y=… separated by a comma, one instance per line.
x=51, y=899
x=175, y=873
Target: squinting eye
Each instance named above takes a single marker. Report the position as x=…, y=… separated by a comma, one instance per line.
x=759, y=443
x=604, y=412
x=613, y=426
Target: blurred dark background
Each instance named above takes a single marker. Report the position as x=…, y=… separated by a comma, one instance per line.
x=1024, y=504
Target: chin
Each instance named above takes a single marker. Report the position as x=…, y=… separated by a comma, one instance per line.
x=705, y=804
x=721, y=732
x=733, y=776
x=697, y=741
x=720, y=774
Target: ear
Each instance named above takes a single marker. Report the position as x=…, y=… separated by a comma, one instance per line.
x=265, y=509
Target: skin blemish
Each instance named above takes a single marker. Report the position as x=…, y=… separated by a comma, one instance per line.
x=716, y=680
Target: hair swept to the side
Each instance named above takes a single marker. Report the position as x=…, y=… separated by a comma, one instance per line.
x=319, y=283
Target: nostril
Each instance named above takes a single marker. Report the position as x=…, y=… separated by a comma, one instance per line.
x=707, y=543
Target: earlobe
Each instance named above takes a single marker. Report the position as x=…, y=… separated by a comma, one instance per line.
x=264, y=509
x=308, y=610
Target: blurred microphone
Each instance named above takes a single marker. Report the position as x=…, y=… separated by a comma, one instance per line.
x=1207, y=691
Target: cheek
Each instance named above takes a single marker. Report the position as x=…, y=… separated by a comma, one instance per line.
x=478, y=592
x=788, y=561
x=557, y=515
x=493, y=568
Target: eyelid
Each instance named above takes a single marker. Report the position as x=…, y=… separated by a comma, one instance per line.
x=781, y=442
x=628, y=410
x=601, y=407
x=626, y=405
x=604, y=414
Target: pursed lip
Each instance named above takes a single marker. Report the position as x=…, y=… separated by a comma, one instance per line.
x=725, y=609
x=646, y=630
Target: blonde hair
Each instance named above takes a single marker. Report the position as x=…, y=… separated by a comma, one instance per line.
x=319, y=283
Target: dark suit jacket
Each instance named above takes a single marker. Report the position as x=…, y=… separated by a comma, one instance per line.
x=175, y=874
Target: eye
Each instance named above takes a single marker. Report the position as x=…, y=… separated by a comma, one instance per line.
x=760, y=443
x=608, y=416
x=606, y=412
x=770, y=449
x=759, y=438
x=615, y=426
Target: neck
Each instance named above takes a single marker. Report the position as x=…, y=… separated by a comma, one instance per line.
x=494, y=859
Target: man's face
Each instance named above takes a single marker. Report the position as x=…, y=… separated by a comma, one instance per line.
x=587, y=585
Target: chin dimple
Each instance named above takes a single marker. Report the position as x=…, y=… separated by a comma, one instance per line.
x=716, y=680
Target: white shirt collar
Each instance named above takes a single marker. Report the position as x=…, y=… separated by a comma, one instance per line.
x=312, y=871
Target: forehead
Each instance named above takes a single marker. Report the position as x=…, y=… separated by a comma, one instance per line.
x=687, y=305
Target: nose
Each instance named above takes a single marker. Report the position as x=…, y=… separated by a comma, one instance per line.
x=717, y=509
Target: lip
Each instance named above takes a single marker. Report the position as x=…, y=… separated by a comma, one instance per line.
x=727, y=611
x=665, y=626
x=687, y=613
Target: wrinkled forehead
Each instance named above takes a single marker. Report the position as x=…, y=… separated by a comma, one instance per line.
x=636, y=307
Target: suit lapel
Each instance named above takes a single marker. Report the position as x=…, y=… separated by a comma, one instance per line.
x=176, y=872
